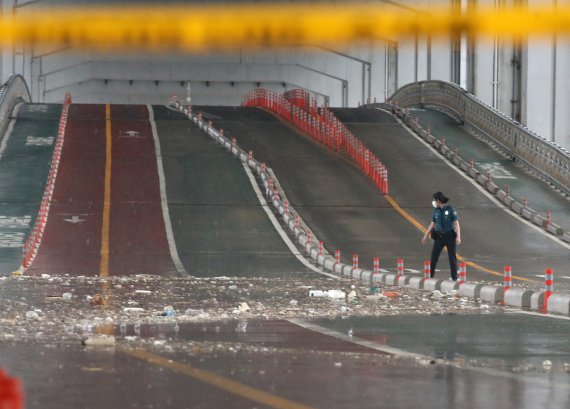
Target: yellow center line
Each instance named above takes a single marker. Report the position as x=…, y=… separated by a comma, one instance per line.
x=476, y=266
x=218, y=381
x=104, y=268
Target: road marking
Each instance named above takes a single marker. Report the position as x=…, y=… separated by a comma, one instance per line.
x=496, y=170
x=39, y=141
x=74, y=220
x=355, y=340
x=130, y=134
x=216, y=380
x=14, y=222
x=37, y=108
x=278, y=227
x=539, y=314
x=104, y=268
x=403, y=353
x=11, y=240
x=163, y=199
x=479, y=187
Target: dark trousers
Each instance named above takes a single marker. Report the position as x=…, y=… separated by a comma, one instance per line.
x=442, y=240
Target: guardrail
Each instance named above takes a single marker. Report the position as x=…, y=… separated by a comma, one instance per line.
x=321, y=125
x=549, y=160
x=13, y=91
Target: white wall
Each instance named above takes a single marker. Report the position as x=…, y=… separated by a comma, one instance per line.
x=341, y=77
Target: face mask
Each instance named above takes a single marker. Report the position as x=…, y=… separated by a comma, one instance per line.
x=434, y=203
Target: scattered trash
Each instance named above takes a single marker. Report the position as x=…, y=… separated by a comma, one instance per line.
x=391, y=294
x=338, y=364
x=193, y=312
x=99, y=341
x=233, y=287
x=351, y=295
x=243, y=307
x=437, y=294
x=67, y=296
x=168, y=312
x=32, y=315
x=45, y=276
x=547, y=365
x=334, y=294
x=143, y=292
x=293, y=303
x=98, y=299
x=133, y=309
x=344, y=309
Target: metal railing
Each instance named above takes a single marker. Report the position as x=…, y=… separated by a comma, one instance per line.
x=13, y=91
x=549, y=160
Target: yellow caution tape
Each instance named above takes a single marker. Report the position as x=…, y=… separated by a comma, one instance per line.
x=202, y=28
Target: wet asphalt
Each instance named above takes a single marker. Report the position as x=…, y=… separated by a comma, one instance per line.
x=468, y=361
x=247, y=364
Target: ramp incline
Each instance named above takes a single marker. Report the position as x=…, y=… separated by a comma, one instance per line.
x=491, y=237
x=25, y=154
x=106, y=217
x=218, y=223
x=332, y=196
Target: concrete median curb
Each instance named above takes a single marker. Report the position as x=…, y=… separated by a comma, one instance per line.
x=518, y=297
x=559, y=304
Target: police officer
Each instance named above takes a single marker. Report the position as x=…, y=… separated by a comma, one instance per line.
x=445, y=232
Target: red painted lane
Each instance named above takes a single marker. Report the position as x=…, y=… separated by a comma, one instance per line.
x=68, y=246
x=138, y=243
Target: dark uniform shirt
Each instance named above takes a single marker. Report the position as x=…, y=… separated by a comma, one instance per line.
x=444, y=218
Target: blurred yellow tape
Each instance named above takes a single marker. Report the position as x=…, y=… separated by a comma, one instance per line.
x=225, y=27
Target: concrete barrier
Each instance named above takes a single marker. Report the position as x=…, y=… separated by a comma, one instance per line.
x=559, y=304
x=555, y=229
x=432, y=284
x=366, y=275
x=517, y=207
x=403, y=280
x=347, y=270
x=518, y=297
x=471, y=290
x=390, y=279
x=378, y=277
x=537, y=300
x=492, y=294
x=416, y=282
x=528, y=213
x=448, y=286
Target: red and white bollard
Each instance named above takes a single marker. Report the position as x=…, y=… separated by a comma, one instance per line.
x=321, y=248
x=250, y=156
x=507, y=279
x=297, y=221
x=337, y=256
x=209, y=124
x=355, y=260
x=427, y=269
x=376, y=262
x=309, y=237
x=400, y=267
x=263, y=167
x=462, y=273
x=286, y=207
x=548, y=219
x=548, y=286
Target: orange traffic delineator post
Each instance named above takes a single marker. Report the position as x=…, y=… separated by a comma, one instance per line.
x=309, y=237
x=337, y=256
x=427, y=269
x=548, y=286
x=355, y=260
x=462, y=273
x=400, y=267
x=508, y=279
x=376, y=265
